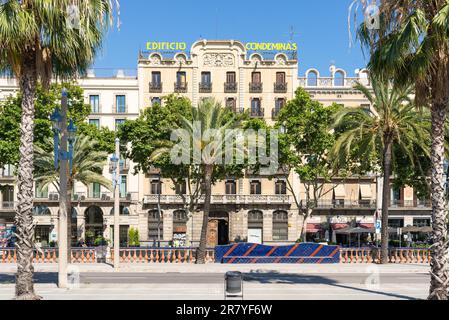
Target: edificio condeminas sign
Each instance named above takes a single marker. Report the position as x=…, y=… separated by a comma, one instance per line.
x=250, y=46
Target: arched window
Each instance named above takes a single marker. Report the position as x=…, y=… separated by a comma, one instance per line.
x=124, y=211
x=312, y=79
x=339, y=79
x=179, y=222
x=255, y=219
x=155, y=225
x=41, y=211
x=280, y=226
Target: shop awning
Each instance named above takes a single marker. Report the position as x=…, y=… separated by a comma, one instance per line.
x=339, y=226
x=365, y=192
x=313, y=227
x=367, y=225
x=340, y=192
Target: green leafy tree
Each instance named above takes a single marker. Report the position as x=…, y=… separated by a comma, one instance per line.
x=411, y=45
x=45, y=103
x=38, y=40
x=305, y=142
x=392, y=123
x=133, y=237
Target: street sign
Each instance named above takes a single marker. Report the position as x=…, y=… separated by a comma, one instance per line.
x=378, y=226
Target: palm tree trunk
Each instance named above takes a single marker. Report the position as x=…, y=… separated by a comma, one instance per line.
x=201, y=252
x=24, y=217
x=439, y=284
x=386, y=199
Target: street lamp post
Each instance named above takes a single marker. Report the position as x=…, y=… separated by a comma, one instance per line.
x=115, y=161
x=64, y=137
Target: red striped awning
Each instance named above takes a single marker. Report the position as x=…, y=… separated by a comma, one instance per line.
x=339, y=226
x=313, y=227
x=367, y=225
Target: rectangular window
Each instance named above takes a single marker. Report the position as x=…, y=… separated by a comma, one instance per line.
x=181, y=78
x=156, y=77
x=231, y=104
x=396, y=223
x=281, y=188
x=255, y=106
x=280, y=103
x=118, y=123
x=94, y=103
x=95, y=191
x=206, y=78
x=256, y=77
x=231, y=187
x=95, y=122
x=123, y=186
x=124, y=236
x=156, y=187
x=8, y=171
x=120, y=104
x=181, y=188
x=256, y=187
x=7, y=196
x=230, y=77
x=421, y=222
x=40, y=193
x=280, y=77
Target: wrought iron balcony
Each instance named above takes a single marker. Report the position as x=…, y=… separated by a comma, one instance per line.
x=257, y=113
x=280, y=87
x=180, y=87
x=255, y=87
x=205, y=87
x=8, y=205
x=275, y=113
x=230, y=87
x=155, y=87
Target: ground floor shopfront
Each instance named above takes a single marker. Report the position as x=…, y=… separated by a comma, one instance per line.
x=255, y=223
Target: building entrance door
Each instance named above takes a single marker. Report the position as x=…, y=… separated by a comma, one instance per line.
x=218, y=229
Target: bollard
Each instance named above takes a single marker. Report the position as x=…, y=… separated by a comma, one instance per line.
x=233, y=284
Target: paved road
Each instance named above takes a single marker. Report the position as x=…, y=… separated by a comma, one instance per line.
x=259, y=286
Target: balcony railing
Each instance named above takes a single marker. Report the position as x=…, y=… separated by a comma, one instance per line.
x=346, y=204
x=155, y=87
x=255, y=87
x=7, y=205
x=120, y=109
x=230, y=87
x=205, y=87
x=275, y=113
x=180, y=87
x=257, y=113
x=124, y=166
x=411, y=204
x=280, y=87
x=222, y=199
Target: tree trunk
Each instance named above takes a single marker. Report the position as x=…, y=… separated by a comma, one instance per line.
x=386, y=200
x=24, y=216
x=201, y=251
x=439, y=284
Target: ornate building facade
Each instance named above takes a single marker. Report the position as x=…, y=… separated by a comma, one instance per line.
x=255, y=208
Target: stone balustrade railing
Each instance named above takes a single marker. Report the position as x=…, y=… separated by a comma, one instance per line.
x=161, y=255
x=187, y=255
x=372, y=255
x=222, y=199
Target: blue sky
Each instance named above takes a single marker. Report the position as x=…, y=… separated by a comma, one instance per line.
x=321, y=27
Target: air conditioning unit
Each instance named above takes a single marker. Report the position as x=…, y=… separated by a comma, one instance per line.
x=54, y=197
x=103, y=197
x=76, y=197
x=83, y=198
x=129, y=196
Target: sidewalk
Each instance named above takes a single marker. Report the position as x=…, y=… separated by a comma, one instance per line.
x=223, y=268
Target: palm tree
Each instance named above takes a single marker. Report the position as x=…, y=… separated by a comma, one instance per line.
x=87, y=167
x=393, y=123
x=38, y=38
x=207, y=151
x=412, y=45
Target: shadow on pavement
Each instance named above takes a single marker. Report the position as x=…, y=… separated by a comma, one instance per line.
x=39, y=277
x=285, y=278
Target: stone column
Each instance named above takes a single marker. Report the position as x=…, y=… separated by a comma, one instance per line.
x=267, y=226
x=167, y=234
x=81, y=227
